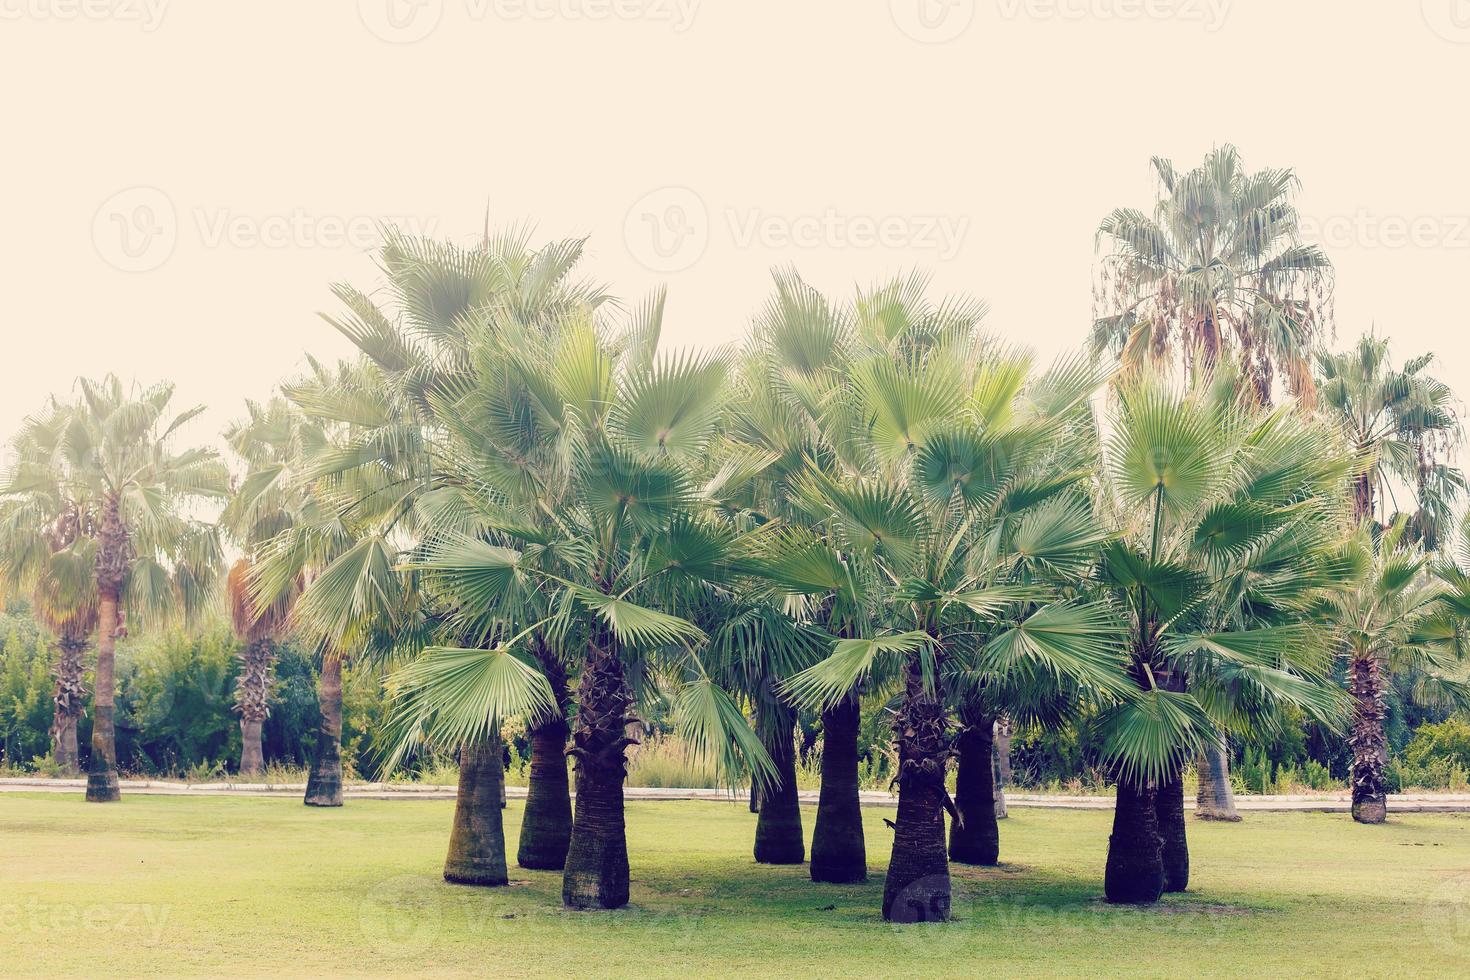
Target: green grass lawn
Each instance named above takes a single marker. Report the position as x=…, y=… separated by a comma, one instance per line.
x=214, y=885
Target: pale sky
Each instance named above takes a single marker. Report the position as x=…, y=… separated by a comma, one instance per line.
x=183, y=179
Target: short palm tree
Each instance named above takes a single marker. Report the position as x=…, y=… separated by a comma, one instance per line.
x=1225, y=521
x=934, y=438
x=1217, y=270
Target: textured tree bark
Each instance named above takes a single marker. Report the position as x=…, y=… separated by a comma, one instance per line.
x=1174, y=850
x=1370, y=750
x=917, y=888
x=778, y=835
x=252, y=701
x=596, y=874
x=1215, y=800
x=68, y=698
x=839, y=852
x=546, y=826
x=477, y=843
x=102, y=784
x=324, y=784
x=975, y=837
x=1135, y=869
x=1002, y=765
x=114, y=558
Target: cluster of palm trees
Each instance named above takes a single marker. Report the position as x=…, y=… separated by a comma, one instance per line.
x=516, y=504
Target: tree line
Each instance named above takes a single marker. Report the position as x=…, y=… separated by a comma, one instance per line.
x=516, y=502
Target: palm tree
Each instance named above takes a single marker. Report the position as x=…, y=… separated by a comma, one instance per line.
x=1400, y=421
x=441, y=300
x=151, y=556
x=47, y=549
x=1396, y=616
x=934, y=441
x=336, y=565
x=1217, y=270
x=610, y=534
x=1225, y=522
x=793, y=370
x=273, y=442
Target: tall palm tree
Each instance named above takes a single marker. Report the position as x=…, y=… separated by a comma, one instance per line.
x=1402, y=422
x=47, y=549
x=1217, y=271
x=1225, y=521
x=152, y=555
x=1396, y=616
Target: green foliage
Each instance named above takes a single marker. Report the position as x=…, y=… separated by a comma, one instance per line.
x=25, y=691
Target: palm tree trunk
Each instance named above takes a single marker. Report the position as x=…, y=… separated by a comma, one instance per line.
x=1135, y=870
x=778, y=835
x=975, y=837
x=1174, y=851
x=1002, y=765
x=546, y=825
x=1215, y=800
x=839, y=852
x=102, y=784
x=324, y=785
x=596, y=873
x=68, y=698
x=1370, y=751
x=252, y=700
x=477, y=843
x=1363, y=497
x=917, y=888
